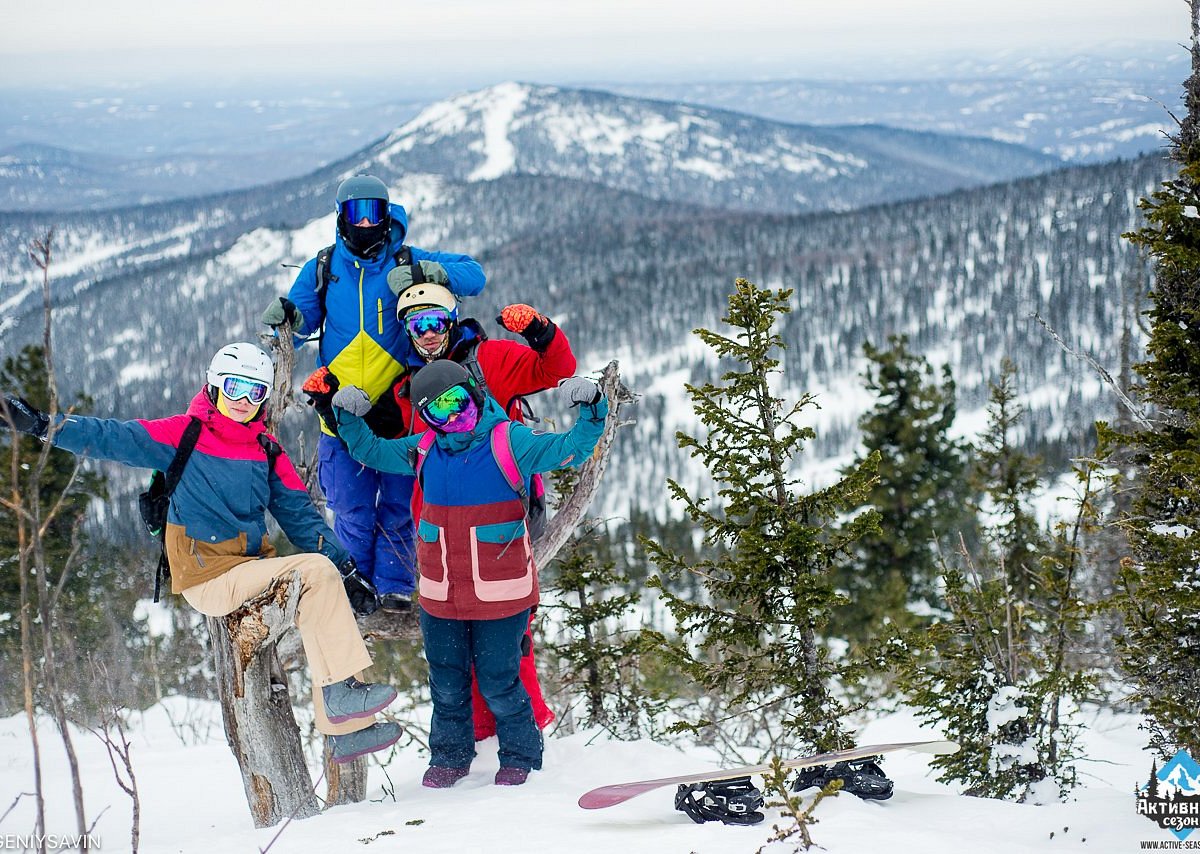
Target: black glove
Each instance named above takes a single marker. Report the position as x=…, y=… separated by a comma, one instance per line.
x=279, y=311
x=25, y=416
x=364, y=599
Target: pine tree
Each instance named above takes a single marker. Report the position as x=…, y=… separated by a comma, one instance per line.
x=1159, y=588
x=920, y=495
x=1008, y=477
x=25, y=375
x=999, y=674
x=754, y=639
x=598, y=656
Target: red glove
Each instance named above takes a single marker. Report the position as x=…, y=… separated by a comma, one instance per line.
x=522, y=319
x=319, y=387
x=320, y=382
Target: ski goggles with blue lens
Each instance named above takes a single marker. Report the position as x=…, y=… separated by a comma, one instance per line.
x=235, y=388
x=374, y=211
x=433, y=319
x=455, y=400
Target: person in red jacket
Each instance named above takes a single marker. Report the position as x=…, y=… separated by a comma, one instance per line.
x=507, y=370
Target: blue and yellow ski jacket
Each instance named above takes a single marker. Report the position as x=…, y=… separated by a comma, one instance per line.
x=363, y=343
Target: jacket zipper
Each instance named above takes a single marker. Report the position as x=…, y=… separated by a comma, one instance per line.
x=379, y=308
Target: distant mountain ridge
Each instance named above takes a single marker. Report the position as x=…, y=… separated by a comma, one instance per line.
x=682, y=152
x=700, y=155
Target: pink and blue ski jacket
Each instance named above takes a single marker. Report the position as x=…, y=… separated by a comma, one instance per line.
x=216, y=519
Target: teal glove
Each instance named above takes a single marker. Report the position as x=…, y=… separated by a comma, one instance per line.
x=402, y=277
x=279, y=311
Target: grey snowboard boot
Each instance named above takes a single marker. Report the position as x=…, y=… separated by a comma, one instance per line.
x=353, y=699
x=349, y=747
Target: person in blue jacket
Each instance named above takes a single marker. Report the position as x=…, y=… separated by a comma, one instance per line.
x=477, y=576
x=363, y=344
x=216, y=533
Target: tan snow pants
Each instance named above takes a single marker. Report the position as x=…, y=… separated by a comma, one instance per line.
x=332, y=643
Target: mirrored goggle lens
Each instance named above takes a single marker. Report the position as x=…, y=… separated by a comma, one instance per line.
x=354, y=211
x=453, y=401
x=235, y=388
x=435, y=320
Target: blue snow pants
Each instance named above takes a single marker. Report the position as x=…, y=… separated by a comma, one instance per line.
x=372, y=516
x=493, y=648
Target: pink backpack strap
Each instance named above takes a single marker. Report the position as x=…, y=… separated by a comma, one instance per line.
x=503, y=455
x=422, y=451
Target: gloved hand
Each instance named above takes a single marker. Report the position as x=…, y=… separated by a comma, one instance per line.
x=402, y=277
x=354, y=400
x=320, y=388
x=579, y=390
x=364, y=599
x=279, y=311
x=25, y=416
x=535, y=328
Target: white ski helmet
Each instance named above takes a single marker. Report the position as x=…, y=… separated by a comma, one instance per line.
x=426, y=293
x=241, y=360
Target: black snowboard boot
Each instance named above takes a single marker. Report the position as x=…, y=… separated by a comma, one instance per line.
x=860, y=777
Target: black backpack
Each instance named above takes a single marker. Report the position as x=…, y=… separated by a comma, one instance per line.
x=155, y=502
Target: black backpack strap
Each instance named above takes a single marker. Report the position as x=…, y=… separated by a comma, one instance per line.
x=187, y=444
x=324, y=276
x=271, y=448
x=403, y=256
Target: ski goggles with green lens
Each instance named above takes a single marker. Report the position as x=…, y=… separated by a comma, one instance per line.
x=433, y=319
x=374, y=211
x=454, y=401
x=236, y=388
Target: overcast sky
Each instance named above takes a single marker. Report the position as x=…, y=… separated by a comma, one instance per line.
x=139, y=40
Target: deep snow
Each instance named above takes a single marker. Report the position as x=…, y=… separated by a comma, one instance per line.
x=192, y=799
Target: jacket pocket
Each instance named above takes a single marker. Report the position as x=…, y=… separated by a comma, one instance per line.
x=501, y=562
x=379, y=306
x=434, y=581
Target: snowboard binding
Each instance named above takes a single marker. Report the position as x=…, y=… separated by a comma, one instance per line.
x=862, y=778
x=733, y=801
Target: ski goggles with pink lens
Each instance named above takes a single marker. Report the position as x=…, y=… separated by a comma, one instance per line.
x=374, y=211
x=236, y=388
x=452, y=411
x=433, y=319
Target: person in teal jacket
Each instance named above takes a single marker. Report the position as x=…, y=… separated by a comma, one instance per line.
x=477, y=579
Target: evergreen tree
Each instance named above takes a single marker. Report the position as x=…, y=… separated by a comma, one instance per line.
x=598, y=658
x=25, y=375
x=1159, y=587
x=754, y=639
x=1008, y=476
x=920, y=495
x=999, y=673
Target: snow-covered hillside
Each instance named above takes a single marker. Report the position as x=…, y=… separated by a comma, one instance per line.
x=192, y=800
x=688, y=153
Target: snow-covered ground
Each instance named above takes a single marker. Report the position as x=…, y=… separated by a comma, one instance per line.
x=192, y=800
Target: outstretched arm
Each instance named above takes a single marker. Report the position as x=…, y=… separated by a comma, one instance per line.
x=147, y=444
x=389, y=455
x=465, y=273
x=539, y=452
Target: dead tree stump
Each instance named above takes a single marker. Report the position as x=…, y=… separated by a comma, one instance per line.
x=256, y=705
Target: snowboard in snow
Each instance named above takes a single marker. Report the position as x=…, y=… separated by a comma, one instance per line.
x=618, y=793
